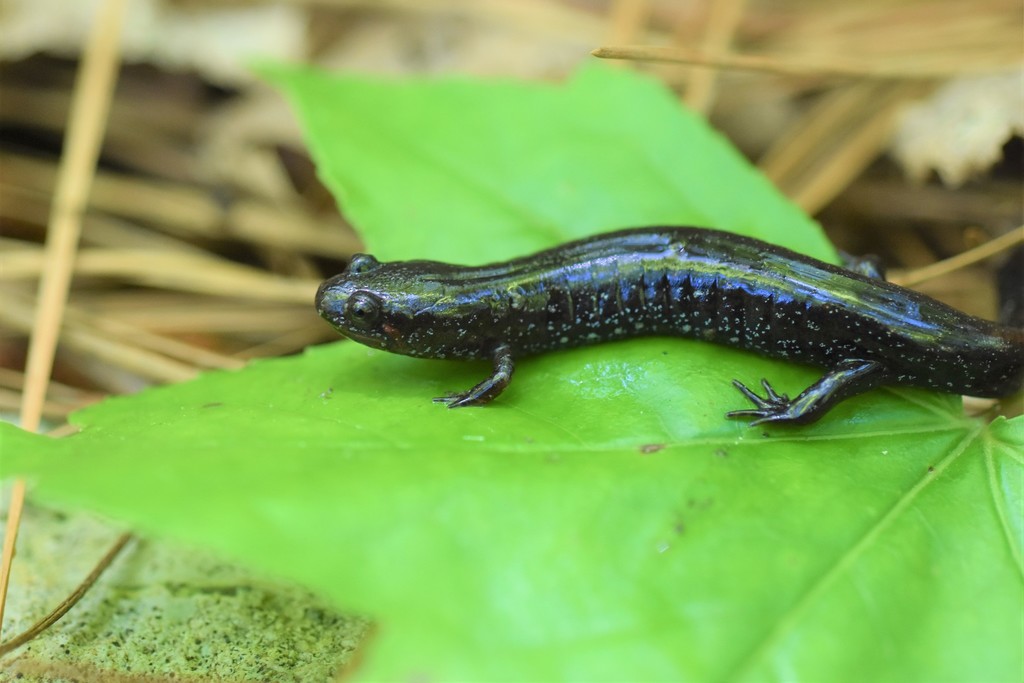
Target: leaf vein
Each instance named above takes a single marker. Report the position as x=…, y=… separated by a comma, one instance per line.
x=999, y=503
x=745, y=665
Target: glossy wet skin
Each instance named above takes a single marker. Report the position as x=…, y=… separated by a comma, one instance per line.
x=679, y=282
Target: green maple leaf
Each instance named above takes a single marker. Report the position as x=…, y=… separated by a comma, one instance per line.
x=601, y=520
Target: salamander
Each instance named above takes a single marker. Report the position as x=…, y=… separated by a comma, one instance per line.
x=678, y=281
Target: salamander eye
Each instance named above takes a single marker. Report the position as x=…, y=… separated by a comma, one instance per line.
x=362, y=263
x=362, y=309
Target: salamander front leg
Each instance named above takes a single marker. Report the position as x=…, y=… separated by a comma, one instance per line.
x=489, y=389
x=849, y=378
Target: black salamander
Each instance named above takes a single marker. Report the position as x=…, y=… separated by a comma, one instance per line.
x=678, y=281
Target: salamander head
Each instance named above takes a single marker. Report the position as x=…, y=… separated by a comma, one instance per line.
x=355, y=305
x=383, y=305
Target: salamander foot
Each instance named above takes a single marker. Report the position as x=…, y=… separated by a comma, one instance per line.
x=775, y=407
x=488, y=390
x=849, y=378
x=461, y=400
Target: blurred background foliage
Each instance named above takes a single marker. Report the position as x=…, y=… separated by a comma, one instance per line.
x=916, y=158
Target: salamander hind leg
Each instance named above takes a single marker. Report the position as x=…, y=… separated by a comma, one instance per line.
x=870, y=266
x=849, y=378
x=486, y=391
